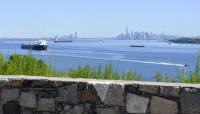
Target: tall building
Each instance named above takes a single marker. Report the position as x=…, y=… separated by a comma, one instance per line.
x=75, y=35
x=127, y=33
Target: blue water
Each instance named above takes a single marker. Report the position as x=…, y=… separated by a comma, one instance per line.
x=156, y=56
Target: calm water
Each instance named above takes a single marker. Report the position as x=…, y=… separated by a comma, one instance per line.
x=156, y=56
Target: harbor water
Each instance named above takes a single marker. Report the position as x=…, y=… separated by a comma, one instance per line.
x=155, y=56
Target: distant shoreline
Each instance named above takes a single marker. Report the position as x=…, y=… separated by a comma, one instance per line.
x=186, y=41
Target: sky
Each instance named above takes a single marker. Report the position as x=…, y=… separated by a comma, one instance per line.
x=98, y=18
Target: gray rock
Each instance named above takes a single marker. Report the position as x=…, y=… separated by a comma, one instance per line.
x=190, y=100
x=26, y=110
x=10, y=93
x=3, y=83
x=68, y=94
x=136, y=104
x=59, y=107
x=190, y=91
x=111, y=94
x=161, y=105
x=112, y=110
x=15, y=83
x=80, y=109
x=153, y=89
x=169, y=91
x=46, y=104
x=28, y=100
x=131, y=88
x=39, y=83
x=67, y=108
x=101, y=90
x=89, y=94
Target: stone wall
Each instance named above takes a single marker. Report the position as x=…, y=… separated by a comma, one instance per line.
x=41, y=95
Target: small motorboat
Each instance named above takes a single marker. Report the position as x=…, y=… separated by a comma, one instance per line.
x=137, y=46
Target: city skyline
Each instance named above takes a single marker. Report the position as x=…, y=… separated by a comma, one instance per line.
x=36, y=18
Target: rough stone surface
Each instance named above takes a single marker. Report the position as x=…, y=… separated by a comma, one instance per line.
x=112, y=110
x=80, y=109
x=59, y=107
x=136, y=104
x=11, y=107
x=49, y=95
x=28, y=100
x=10, y=93
x=161, y=105
x=111, y=94
x=46, y=104
x=88, y=94
x=153, y=89
x=3, y=83
x=40, y=83
x=67, y=108
x=131, y=88
x=190, y=100
x=15, y=82
x=169, y=91
x=68, y=94
x=101, y=90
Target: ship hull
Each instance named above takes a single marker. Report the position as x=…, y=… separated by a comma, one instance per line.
x=62, y=41
x=137, y=46
x=34, y=47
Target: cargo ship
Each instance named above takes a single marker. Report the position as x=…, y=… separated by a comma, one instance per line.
x=62, y=40
x=38, y=45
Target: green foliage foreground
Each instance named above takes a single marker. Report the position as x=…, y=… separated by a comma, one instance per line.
x=29, y=65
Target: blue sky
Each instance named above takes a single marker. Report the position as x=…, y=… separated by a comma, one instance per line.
x=98, y=18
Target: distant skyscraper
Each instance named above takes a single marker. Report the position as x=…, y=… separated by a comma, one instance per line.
x=132, y=35
x=127, y=33
x=75, y=35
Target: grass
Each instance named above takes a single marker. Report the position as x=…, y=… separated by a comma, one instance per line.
x=28, y=65
x=185, y=76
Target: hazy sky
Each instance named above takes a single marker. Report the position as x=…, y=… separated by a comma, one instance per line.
x=97, y=18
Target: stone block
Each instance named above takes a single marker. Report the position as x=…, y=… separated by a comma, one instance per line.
x=15, y=82
x=3, y=83
x=136, y=104
x=169, y=91
x=41, y=83
x=46, y=104
x=89, y=94
x=12, y=93
x=161, y=105
x=190, y=91
x=112, y=110
x=68, y=94
x=28, y=100
x=131, y=88
x=111, y=94
x=190, y=100
x=80, y=109
x=67, y=108
x=153, y=89
x=101, y=90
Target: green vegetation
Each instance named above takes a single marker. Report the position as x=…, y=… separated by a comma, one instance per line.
x=110, y=74
x=29, y=65
x=192, y=76
x=186, y=40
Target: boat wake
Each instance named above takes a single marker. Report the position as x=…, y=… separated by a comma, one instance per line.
x=122, y=60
